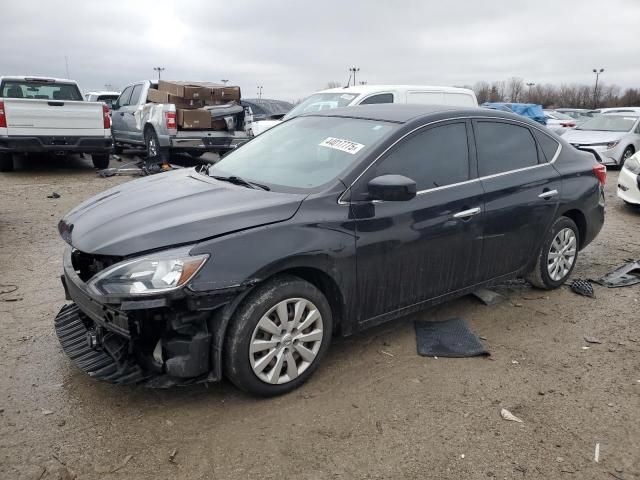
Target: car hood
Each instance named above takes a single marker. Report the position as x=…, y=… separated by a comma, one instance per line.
x=169, y=209
x=592, y=136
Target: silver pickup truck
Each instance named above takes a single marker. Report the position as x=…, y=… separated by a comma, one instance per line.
x=136, y=122
x=49, y=115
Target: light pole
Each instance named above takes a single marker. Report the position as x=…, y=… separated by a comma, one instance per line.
x=159, y=70
x=259, y=91
x=353, y=71
x=529, y=84
x=595, y=89
x=362, y=82
x=224, y=81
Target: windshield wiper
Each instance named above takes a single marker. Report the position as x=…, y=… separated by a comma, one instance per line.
x=240, y=181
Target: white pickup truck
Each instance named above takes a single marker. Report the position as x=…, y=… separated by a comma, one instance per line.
x=50, y=115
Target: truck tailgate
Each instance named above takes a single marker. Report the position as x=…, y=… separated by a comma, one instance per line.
x=53, y=117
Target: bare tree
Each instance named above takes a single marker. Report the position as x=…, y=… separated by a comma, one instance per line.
x=481, y=90
x=333, y=84
x=515, y=87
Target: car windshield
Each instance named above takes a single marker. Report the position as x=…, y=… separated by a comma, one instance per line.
x=303, y=153
x=321, y=101
x=609, y=123
x=43, y=90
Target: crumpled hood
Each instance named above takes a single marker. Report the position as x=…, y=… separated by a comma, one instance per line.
x=169, y=209
x=585, y=137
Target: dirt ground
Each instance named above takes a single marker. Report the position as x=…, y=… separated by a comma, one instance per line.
x=374, y=409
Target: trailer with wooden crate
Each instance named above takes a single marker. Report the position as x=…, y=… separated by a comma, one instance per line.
x=179, y=116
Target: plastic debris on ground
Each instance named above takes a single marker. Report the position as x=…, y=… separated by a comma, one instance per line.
x=488, y=297
x=626, y=275
x=583, y=287
x=507, y=415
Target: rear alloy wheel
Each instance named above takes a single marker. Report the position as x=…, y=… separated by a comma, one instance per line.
x=6, y=162
x=277, y=337
x=100, y=160
x=626, y=155
x=155, y=153
x=557, y=256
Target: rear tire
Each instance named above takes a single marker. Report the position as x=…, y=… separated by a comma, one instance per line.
x=6, y=162
x=292, y=351
x=558, y=255
x=100, y=160
x=155, y=154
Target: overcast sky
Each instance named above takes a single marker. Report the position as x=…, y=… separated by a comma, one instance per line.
x=293, y=48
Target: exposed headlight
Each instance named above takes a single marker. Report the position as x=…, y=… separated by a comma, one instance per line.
x=633, y=164
x=608, y=145
x=155, y=273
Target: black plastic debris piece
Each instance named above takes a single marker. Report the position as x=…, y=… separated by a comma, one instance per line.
x=449, y=338
x=583, y=287
x=54, y=195
x=628, y=274
x=488, y=297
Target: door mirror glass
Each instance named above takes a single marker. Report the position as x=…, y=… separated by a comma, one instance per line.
x=392, y=188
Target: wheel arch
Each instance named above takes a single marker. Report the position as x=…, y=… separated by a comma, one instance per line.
x=580, y=220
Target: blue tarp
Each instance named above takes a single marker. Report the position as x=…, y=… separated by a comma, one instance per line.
x=529, y=110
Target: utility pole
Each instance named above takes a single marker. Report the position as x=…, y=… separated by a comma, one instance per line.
x=259, y=91
x=595, y=89
x=353, y=71
x=529, y=84
x=159, y=70
x=108, y=86
x=224, y=81
x=362, y=82
x=66, y=65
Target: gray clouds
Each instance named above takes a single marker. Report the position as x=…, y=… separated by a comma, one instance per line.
x=293, y=48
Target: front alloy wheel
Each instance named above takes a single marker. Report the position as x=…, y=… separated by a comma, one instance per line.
x=286, y=341
x=277, y=336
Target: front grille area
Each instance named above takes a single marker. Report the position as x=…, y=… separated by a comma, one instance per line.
x=87, y=265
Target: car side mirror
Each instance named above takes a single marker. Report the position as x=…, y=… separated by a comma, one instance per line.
x=392, y=188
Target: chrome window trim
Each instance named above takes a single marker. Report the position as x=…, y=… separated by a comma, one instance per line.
x=420, y=192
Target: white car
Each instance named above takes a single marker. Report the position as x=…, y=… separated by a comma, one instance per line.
x=629, y=180
x=615, y=137
x=375, y=94
x=106, y=97
x=559, y=122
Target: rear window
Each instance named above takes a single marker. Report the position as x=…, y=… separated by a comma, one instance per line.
x=40, y=90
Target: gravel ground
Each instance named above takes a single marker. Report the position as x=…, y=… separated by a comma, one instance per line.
x=373, y=410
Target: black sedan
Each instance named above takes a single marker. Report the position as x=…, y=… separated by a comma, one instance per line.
x=327, y=224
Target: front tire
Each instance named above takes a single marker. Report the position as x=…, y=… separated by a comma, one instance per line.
x=6, y=162
x=277, y=337
x=100, y=160
x=626, y=155
x=558, y=255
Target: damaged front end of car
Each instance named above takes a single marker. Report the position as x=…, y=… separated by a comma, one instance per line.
x=135, y=321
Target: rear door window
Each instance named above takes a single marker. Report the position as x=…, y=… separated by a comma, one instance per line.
x=502, y=147
x=433, y=157
x=547, y=144
x=376, y=99
x=135, y=95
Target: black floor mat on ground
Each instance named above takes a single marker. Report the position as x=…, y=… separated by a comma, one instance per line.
x=450, y=338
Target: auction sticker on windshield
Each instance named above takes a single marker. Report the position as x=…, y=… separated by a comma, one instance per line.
x=346, y=146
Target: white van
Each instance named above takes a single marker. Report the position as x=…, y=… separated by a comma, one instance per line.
x=371, y=94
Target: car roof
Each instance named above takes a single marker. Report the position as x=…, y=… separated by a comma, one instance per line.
x=364, y=89
x=404, y=113
x=36, y=78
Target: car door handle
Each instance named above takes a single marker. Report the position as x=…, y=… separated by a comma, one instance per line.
x=467, y=213
x=548, y=194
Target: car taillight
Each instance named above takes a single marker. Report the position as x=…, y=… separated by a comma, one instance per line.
x=3, y=117
x=568, y=124
x=600, y=172
x=170, y=118
x=105, y=116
